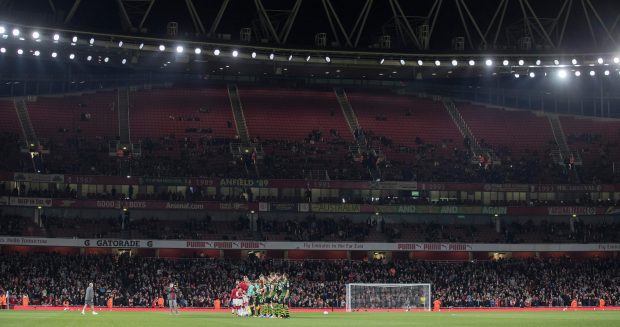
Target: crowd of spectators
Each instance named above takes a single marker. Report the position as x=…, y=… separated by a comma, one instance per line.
x=210, y=156
x=48, y=279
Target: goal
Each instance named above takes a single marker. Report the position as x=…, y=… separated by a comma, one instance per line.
x=362, y=297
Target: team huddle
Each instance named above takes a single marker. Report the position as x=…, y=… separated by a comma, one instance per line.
x=267, y=297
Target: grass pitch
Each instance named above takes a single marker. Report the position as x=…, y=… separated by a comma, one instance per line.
x=190, y=319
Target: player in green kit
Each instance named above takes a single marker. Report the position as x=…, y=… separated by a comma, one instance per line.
x=271, y=292
x=284, y=293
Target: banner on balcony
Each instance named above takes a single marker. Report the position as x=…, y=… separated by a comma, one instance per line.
x=346, y=246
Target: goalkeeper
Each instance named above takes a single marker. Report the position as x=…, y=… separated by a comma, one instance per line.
x=252, y=288
x=260, y=297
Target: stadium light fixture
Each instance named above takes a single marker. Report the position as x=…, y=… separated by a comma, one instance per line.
x=592, y=73
x=36, y=35
x=521, y=62
x=455, y=62
x=253, y=54
x=89, y=58
x=179, y=49
x=272, y=56
x=517, y=75
x=532, y=75
x=538, y=62
x=2, y=50
x=574, y=61
x=606, y=73
x=20, y=51
x=2, y=30
x=216, y=52
x=235, y=53
x=74, y=39
x=91, y=41
x=162, y=47
x=556, y=62
x=197, y=51
x=106, y=59
x=600, y=61
x=141, y=46
x=72, y=56
x=420, y=62
x=402, y=62
x=120, y=44
x=489, y=62
x=616, y=60
x=562, y=73
x=328, y=59
x=472, y=62
x=437, y=63
x=577, y=73
x=505, y=62
x=54, y=55
x=124, y=61
x=15, y=32
x=56, y=37
x=36, y=53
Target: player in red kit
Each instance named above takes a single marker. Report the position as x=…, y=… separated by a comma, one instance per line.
x=233, y=298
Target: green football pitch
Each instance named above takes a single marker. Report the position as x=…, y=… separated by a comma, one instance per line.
x=189, y=319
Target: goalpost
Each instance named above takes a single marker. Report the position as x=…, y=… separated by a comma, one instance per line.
x=361, y=297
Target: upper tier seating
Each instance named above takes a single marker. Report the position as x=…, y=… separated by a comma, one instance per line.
x=165, y=112
x=600, y=136
x=521, y=131
x=292, y=114
x=8, y=118
x=405, y=118
x=57, y=118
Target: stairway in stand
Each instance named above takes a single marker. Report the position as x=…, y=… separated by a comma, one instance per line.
x=362, y=147
x=241, y=149
x=463, y=127
x=31, y=143
x=563, y=151
x=24, y=120
x=347, y=110
x=123, y=115
x=237, y=108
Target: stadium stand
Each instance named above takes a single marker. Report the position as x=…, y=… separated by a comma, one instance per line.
x=188, y=131
x=137, y=282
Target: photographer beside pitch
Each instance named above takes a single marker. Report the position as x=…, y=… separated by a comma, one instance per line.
x=88, y=299
x=172, y=294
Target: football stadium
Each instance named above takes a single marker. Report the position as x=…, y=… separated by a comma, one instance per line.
x=310, y=163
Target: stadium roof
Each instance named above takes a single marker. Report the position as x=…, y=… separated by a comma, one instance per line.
x=391, y=39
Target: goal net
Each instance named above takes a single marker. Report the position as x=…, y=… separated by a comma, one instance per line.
x=361, y=297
